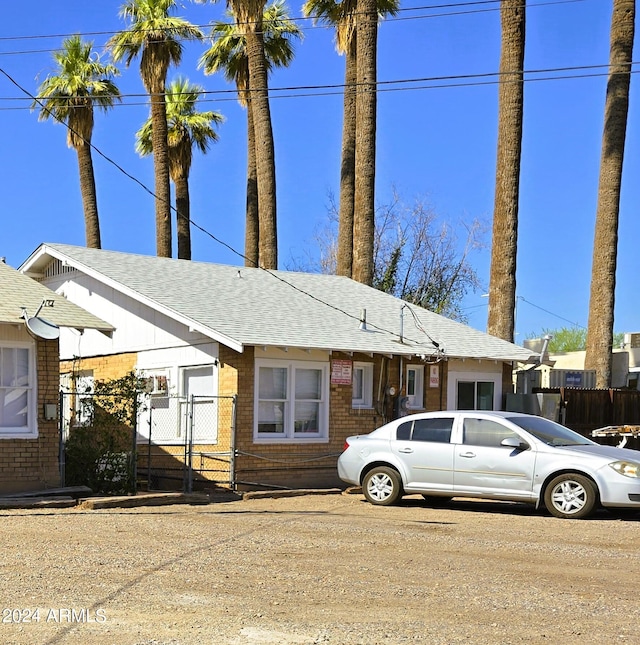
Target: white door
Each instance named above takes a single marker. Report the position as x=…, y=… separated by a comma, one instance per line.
x=199, y=382
x=483, y=466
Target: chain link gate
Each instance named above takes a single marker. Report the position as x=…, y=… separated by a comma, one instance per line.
x=187, y=442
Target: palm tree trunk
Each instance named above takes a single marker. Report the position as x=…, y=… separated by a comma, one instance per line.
x=161, y=171
x=348, y=165
x=265, y=151
x=605, y=246
x=183, y=223
x=365, y=150
x=502, y=280
x=89, y=198
x=251, y=235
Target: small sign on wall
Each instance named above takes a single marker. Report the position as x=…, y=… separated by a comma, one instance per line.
x=434, y=376
x=341, y=372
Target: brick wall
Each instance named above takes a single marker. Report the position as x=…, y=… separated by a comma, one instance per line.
x=33, y=464
x=308, y=465
x=105, y=368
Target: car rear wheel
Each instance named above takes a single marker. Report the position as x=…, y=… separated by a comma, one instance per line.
x=382, y=486
x=571, y=496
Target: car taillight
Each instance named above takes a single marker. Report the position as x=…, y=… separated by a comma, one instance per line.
x=346, y=445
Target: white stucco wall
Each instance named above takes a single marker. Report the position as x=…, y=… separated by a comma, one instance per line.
x=473, y=370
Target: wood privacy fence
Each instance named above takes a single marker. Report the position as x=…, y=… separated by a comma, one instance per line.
x=587, y=410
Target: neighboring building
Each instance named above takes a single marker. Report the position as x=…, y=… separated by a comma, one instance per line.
x=566, y=369
x=29, y=379
x=304, y=359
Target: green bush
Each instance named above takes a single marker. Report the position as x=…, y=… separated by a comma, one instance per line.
x=100, y=452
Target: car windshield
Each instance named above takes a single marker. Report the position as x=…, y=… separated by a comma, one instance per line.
x=551, y=433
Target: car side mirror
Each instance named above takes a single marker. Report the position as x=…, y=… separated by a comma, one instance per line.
x=514, y=442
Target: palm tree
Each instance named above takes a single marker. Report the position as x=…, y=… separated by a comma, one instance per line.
x=157, y=36
x=248, y=16
x=365, y=148
x=502, y=277
x=342, y=16
x=605, y=246
x=81, y=83
x=186, y=127
x=228, y=52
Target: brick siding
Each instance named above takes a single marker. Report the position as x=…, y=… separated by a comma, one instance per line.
x=33, y=464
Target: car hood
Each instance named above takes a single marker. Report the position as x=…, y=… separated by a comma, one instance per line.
x=606, y=452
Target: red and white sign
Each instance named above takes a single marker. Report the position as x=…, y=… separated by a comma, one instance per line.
x=434, y=376
x=341, y=372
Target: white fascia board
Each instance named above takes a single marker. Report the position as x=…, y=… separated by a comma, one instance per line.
x=118, y=286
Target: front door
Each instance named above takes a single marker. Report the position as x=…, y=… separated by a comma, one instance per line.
x=484, y=467
x=198, y=388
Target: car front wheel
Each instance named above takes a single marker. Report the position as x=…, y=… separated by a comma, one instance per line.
x=571, y=496
x=382, y=486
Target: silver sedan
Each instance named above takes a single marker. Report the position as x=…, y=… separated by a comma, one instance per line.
x=491, y=455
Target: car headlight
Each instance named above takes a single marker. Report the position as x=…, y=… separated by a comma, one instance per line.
x=626, y=468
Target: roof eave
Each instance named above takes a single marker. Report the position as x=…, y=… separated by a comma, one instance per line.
x=36, y=259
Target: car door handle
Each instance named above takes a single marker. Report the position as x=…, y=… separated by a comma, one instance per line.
x=467, y=454
x=406, y=450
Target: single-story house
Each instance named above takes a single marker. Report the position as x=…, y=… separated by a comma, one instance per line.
x=287, y=364
x=29, y=379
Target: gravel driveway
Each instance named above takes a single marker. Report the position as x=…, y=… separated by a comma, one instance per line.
x=317, y=569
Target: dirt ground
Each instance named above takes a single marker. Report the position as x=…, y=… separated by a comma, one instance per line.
x=317, y=569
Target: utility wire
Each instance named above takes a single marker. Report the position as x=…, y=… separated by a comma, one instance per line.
x=318, y=25
x=434, y=82
x=575, y=324
x=551, y=313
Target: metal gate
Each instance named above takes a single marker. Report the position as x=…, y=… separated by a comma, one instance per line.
x=186, y=443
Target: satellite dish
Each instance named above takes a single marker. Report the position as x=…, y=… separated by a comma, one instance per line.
x=42, y=328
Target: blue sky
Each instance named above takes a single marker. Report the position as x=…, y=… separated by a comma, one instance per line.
x=436, y=140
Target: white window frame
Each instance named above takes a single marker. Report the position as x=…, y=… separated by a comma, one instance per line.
x=30, y=430
x=84, y=398
x=157, y=381
x=473, y=377
x=415, y=401
x=289, y=435
x=366, y=371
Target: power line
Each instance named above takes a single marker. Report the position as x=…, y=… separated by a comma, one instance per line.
x=435, y=82
x=546, y=311
x=318, y=25
x=523, y=299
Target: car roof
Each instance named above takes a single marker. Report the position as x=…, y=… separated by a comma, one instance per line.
x=502, y=414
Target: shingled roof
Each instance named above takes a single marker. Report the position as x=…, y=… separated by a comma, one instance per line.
x=18, y=291
x=241, y=306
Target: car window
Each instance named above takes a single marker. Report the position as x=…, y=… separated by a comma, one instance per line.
x=436, y=430
x=553, y=434
x=484, y=432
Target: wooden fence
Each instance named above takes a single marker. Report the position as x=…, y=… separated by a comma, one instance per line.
x=587, y=410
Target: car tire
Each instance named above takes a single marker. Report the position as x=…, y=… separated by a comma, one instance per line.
x=382, y=486
x=571, y=496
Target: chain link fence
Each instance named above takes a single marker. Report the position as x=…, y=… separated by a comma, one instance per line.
x=117, y=444
x=186, y=443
